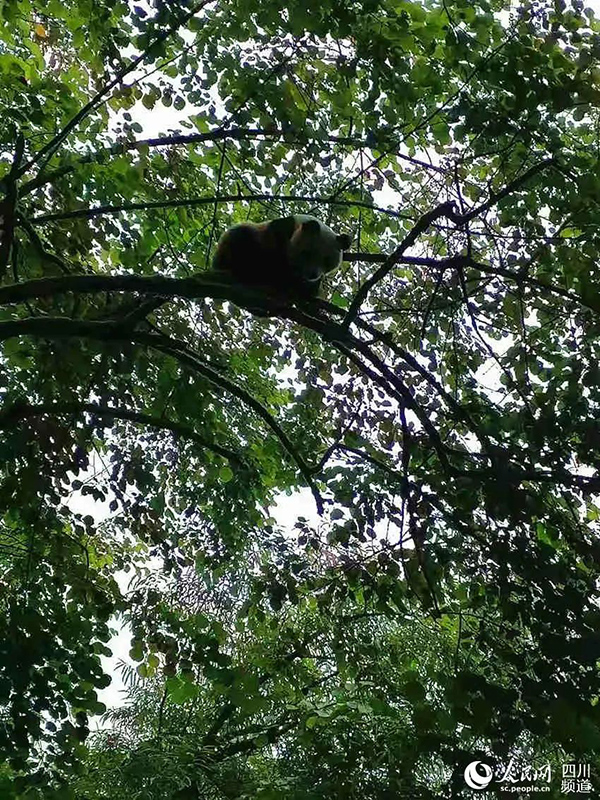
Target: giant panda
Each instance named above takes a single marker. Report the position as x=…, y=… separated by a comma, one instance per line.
x=290, y=254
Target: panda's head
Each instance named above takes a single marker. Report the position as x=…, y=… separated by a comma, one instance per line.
x=313, y=248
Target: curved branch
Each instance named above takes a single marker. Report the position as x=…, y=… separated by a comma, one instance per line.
x=39, y=246
x=394, y=386
x=200, y=138
x=343, y=341
x=408, y=358
x=193, y=202
x=9, y=416
x=443, y=210
x=393, y=473
x=180, y=352
x=62, y=327
x=495, y=197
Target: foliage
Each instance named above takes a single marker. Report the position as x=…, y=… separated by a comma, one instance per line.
x=438, y=414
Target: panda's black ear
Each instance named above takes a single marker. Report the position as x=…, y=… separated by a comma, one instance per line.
x=344, y=241
x=283, y=227
x=311, y=227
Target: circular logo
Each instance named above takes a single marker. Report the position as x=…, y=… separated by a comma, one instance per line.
x=478, y=775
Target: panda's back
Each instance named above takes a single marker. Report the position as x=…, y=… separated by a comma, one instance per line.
x=245, y=251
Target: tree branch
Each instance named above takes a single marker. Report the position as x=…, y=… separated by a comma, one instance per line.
x=15, y=413
x=196, y=288
x=444, y=210
x=180, y=352
x=39, y=246
x=219, y=134
x=194, y=202
x=218, y=287
x=495, y=197
x=8, y=207
x=394, y=386
x=58, y=327
x=51, y=147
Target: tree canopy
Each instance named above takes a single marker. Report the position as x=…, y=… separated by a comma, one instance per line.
x=434, y=416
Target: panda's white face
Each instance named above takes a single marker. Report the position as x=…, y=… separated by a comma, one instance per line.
x=315, y=249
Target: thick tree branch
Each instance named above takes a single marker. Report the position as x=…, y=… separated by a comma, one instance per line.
x=8, y=207
x=385, y=377
x=209, y=284
x=203, y=285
